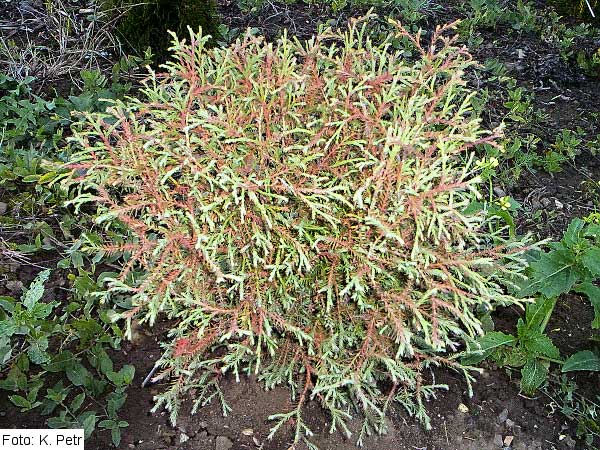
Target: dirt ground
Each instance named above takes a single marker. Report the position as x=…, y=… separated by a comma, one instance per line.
x=498, y=416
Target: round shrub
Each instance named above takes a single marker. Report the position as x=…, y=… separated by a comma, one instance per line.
x=299, y=211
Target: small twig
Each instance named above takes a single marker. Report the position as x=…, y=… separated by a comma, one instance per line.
x=149, y=376
x=590, y=8
x=446, y=431
x=527, y=398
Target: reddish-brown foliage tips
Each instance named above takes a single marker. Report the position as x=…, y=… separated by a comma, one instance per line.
x=299, y=210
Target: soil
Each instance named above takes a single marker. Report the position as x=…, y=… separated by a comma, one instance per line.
x=497, y=416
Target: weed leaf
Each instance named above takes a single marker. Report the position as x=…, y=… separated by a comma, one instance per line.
x=591, y=260
x=573, y=233
x=487, y=344
x=533, y=375
x=536, y=313
x=552, y=274
x=541, y=344
x=77, y=374
x=584, y=360
x=35, y=291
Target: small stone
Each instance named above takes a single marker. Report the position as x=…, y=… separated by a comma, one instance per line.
x=183, y=438
x=502, y=416
x=568, y=440
x=536, y=205
x=223, y=443
x=3, y=208
x=508, y=440
x=463, y=408
x=558, y=204
x=247, y=431
x=498, y=442
x=509, y=423
x=130, y=445
x=14, y=286
x=499, y=192
x=203, y=425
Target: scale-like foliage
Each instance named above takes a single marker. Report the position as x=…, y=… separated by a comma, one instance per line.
x=298, y=208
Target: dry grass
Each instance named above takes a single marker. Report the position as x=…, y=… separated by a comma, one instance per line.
x=53, y=40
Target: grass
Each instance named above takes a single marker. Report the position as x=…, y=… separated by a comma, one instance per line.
x=55, y=41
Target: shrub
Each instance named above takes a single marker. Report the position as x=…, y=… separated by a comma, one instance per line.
x=298, y=209
x=143, y=25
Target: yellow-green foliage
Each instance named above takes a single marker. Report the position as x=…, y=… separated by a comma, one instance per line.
x=298, y=210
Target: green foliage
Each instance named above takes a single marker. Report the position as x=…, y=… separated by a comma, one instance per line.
x=589, y=63
x=583, y=360
x=32, y=151
x=143, y=26
x=568, y=39
x=40, y=339
x=519, y=104
x=527, y=145
x=523, y=149
x=410, y=10
x=523, y=16
x=298, y=212
x=25, y=116
x=499, y=211
x=53, y=352
x=573, y=264
x=33, y=128
x=484, y=13
x=530, y=349
x=564, y=148
x=520, y=16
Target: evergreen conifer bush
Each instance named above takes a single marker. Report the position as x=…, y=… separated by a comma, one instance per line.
x=298, y=209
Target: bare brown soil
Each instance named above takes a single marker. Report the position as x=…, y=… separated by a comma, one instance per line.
x=496, y=413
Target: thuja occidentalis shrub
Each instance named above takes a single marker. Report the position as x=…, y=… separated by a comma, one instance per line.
x=298, y=212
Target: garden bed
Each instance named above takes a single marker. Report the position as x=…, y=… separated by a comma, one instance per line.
x=498, y=415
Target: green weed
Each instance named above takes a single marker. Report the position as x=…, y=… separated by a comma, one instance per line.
x=42, y=337
x=573, y=264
